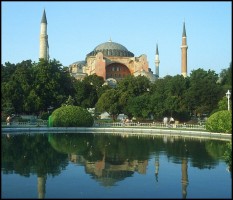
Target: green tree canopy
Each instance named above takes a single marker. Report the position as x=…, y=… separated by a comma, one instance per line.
x=204, y=91
x=109, y=102
x=52, y=85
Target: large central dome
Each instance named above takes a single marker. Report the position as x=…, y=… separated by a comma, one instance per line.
x=111, y=49
x=111, y=45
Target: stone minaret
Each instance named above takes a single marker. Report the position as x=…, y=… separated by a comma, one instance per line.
x=184, y=48
x=157, y=61
x=44, y=45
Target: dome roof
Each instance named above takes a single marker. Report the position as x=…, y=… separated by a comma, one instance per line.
x=111, y=45
x=111, y=49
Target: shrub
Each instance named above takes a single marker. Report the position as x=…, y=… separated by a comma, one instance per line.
x=220, y=122
x=71, y=116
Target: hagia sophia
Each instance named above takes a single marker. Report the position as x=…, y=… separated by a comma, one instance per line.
x=112, y=60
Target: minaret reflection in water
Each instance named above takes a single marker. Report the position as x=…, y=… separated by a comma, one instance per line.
x=184, y=170
x=107, y=159
x=157, y=167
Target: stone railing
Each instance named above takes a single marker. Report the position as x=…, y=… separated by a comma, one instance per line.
x=44, y=123
x=26, y=124
x=151, y=125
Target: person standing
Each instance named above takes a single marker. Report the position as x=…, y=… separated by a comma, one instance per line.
x=165, y=120
x=171, y=121
x=8, y=120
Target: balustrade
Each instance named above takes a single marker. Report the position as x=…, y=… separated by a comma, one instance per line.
x=115, y=124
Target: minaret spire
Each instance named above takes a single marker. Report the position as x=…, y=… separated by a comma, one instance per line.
x=157, y=61
x=44, y=19
x=44, y=47
x=184, y=31
x=157, y=51
x=184, y=48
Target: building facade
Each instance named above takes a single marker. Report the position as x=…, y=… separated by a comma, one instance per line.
x=113, y=62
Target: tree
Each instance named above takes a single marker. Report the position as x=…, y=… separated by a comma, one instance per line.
x=204, y=91
x=175, y=103
x=52, y=84
x=96, y=81
x=140, y=106
x=222, y=104
x=88, y=90
x=85, y=94
x=108, y=102
x=226, y=78
x=135, y=86
x=129, y=88
x=157, y=97
x=6, y=71
x=16, y=86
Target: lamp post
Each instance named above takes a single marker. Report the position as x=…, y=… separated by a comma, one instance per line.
x=228, y=94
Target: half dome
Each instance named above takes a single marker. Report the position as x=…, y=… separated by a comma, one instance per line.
x=111, y=49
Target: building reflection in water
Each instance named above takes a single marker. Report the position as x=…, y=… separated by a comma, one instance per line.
x=108, y=174
x=107, y=164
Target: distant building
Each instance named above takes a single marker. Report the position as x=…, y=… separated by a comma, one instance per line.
x=111, y=60
x=157, y=61
x=44, y=44
x=184, y=48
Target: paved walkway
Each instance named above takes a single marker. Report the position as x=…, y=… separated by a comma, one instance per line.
x=121, y=131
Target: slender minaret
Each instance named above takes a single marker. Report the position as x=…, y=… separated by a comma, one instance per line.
x=157, y=61
x=44, y=45
x=184, y=48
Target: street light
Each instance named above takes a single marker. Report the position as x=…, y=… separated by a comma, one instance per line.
x=228, y=94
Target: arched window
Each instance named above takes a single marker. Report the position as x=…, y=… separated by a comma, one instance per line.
x=116, y=71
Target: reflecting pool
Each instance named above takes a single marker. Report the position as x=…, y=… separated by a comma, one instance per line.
x=85, y=165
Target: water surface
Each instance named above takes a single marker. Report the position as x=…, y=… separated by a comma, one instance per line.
x=84, y=165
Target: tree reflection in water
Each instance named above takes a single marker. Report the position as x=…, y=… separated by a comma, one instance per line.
x=29, y=154
x=107, y=158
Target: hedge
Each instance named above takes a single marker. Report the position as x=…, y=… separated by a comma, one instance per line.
x=71, y=116
x=220, y=121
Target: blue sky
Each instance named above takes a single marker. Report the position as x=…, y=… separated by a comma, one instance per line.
x=76, y=28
